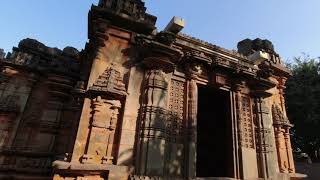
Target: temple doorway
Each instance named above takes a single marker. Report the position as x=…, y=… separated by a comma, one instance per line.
x=214, y=133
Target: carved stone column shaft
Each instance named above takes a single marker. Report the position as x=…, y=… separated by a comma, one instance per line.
x=192, y=128
x=153, y=125
x=260, y=140
x=282, y=135
x=281, y=149
x=291, y=167
x=264, y=139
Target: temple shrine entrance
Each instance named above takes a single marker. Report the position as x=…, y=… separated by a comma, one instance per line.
x=214, y=133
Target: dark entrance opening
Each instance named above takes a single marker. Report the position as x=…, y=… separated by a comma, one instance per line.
x=214, y=133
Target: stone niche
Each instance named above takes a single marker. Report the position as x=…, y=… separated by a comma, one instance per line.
x=104, y=121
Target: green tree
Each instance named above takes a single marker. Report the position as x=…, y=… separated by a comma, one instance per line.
x=303, y=104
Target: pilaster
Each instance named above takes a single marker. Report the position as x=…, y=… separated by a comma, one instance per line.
x=264, y=139
x=192, y=128
x=291, y=167
x=282, y=134
x=153, y=124
x=245, y=132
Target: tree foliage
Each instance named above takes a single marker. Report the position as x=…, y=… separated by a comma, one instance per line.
x=303, y=104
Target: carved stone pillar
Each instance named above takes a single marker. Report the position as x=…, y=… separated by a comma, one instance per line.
x=282, y=135
x=265, y=144
x=153, y=124
x=159, y=59
x=245, y=154
x=291, y=167
x=281, y=149
x=260, y=141
x=237, y=133
x=192, y=128
x=285, y=124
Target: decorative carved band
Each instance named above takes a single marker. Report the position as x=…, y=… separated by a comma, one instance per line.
x=153, y=122
x=136, y=177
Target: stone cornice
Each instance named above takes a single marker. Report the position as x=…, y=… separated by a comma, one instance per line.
x=157, y=55
x=212, y=47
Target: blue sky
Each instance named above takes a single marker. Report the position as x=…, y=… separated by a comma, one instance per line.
x=292, y=25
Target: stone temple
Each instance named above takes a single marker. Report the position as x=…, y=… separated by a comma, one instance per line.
x=142, y=104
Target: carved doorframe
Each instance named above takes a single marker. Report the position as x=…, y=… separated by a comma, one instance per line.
x=191, y=112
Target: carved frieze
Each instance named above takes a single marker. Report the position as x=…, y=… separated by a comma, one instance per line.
x=136, y=177
x=195, y=70
x=198, y=56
